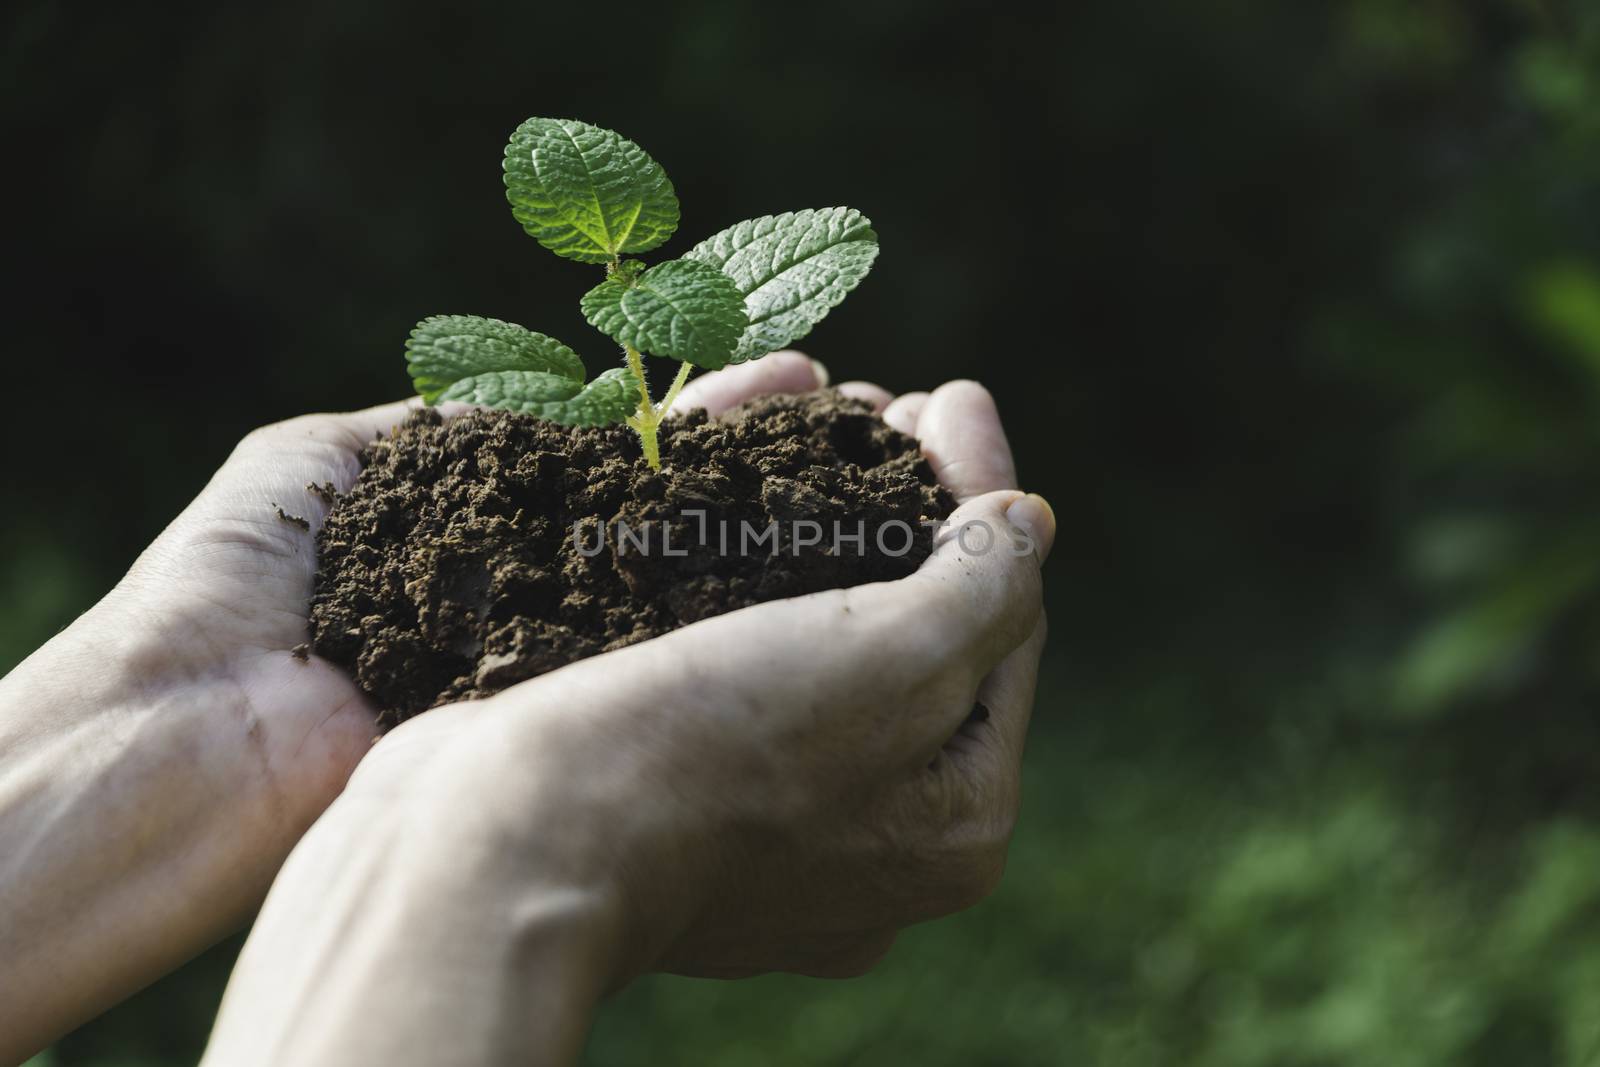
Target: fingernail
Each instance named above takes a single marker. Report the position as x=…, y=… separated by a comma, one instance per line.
x=823, y=377
x=1032, y=514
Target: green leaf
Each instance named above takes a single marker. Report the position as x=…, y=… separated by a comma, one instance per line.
x=792, y=269
x=609, y=399
x=680, y=309
x=447, y=348
x=585, y=193
x=501, y=365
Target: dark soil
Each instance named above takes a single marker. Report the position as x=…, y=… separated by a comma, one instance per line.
x=451, y=571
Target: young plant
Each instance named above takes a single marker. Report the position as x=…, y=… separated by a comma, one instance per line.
x=591, y=195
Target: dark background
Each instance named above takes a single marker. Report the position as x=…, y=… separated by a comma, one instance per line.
x=1292, y=310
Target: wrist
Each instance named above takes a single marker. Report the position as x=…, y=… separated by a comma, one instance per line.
x=545, y=802
x=392, y=935
x=109, y=709
x=128, y=843
x=85, y=672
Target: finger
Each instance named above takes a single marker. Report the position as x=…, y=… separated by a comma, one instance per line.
x=992, y=747
x=349, y=430
x=961, y=435
x=1034, y=514
x=286, y=457
x=978, y=595
x=364, y=426
x=903, y=411
x=876, y=395
x=781, y=372
x=288, y=465
x=1007, y=694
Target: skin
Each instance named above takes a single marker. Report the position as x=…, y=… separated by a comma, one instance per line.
x=491, y=869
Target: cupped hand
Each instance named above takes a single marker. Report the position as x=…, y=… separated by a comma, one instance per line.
x=223, y=596
x=786, y=786
x=163, y=754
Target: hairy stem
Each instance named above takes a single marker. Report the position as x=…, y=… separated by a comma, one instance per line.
x=673, y=391
x=646, y=419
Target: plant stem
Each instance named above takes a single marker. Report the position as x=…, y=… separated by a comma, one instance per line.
x=672, y=393
x=647, y=418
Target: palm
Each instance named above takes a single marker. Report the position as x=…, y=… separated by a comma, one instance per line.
x=237, y=577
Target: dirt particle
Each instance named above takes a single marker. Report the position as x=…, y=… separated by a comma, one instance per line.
x=301, y=652
x=293, y=520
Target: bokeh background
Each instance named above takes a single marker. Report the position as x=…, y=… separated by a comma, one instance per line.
x=1293, y=311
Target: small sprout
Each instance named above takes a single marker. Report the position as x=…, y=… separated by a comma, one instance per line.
x=590, y=195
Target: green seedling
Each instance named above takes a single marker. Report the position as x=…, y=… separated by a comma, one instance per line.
x=590, y=195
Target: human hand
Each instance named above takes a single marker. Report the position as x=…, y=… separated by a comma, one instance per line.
x=831, y=789
x=161, y=756
x=224, y=594
x=722, y=800
x=924, y=831
x=837, y=794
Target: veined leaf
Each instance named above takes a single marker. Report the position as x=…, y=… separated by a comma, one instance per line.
x=586, y=193
x=446, y=348
x=792, y=269
x=501, y=365
x=610, y=398
x=681, y=309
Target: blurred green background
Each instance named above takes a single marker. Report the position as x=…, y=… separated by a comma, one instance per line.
x=1293, y=311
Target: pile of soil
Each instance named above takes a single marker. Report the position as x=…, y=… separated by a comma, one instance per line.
x=451, y=569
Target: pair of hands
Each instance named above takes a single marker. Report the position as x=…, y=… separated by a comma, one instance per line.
x=824, y=790
x=781, y=788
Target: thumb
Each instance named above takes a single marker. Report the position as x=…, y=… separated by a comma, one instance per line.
x=980, y=592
